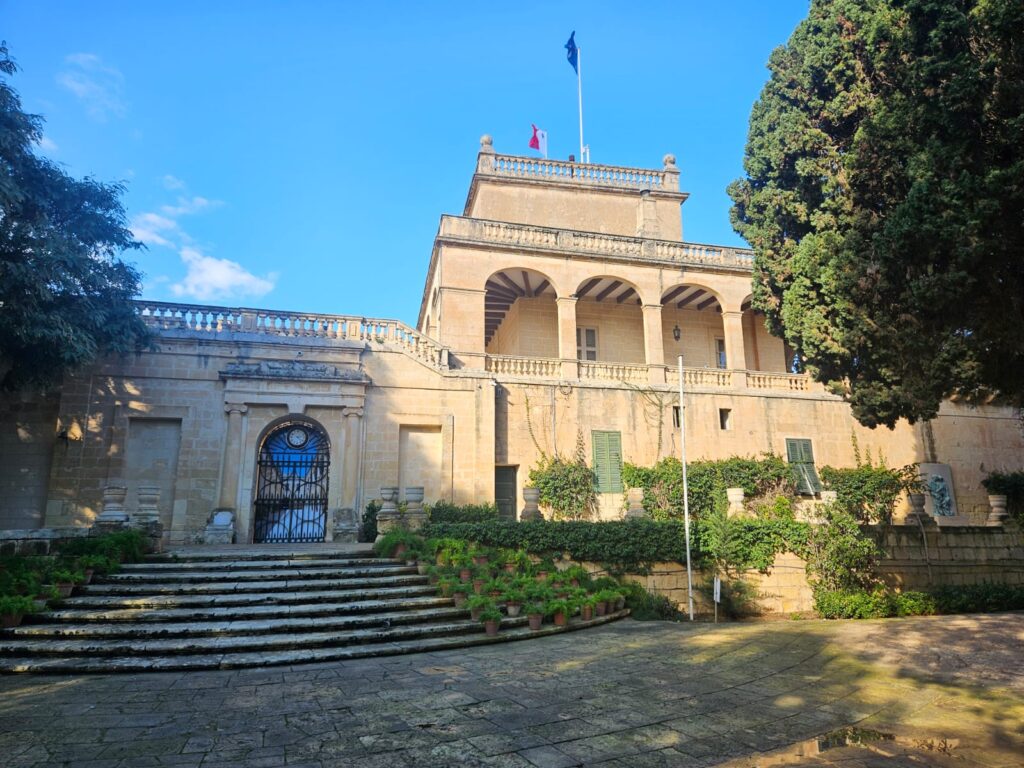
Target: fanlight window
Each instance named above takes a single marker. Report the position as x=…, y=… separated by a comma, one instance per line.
x=291, y=492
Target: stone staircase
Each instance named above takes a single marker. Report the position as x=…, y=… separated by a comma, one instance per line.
x=247, y=607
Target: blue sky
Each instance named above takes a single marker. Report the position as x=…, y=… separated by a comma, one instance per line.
x=298, y=155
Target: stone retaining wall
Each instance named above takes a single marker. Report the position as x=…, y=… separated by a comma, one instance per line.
x=37, y=541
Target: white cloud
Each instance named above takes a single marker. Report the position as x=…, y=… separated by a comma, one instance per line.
x=47, y=144
x=154, y=229
x=173, y=182
x=98, y=86
x=211, y=279
x=189, y=205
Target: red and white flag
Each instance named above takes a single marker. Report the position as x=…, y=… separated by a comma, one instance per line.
x=539, y=140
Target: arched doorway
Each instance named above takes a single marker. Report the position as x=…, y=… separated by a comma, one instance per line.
x=291, y=484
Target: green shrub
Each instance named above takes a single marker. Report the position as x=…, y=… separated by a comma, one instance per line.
x=566, y=487
x=16, y=604
x=128, y=546
x=446, y=512
x=707, y=481
x=880, y=603
x=979, y=598
x=840, y=557
x=1011, y=485
x=870, y=493
x=648, y=606
x=368, y=530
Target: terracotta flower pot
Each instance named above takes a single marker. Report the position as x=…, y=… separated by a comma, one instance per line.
x=513, y=609
x=542, y=575
x=601, y=608
x=536, y=619
x=480, y=560
x=10, y=620
x=587, y=612
x=561, y=619
x=398, y=551
x=65, y=589
x=491, y=627
x=460, y=599
x=478, y=585
x=495, y=593
x=474, y=613
x=510, y=567
x=465, y=574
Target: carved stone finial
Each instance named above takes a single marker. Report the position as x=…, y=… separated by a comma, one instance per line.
x=487, y=143
x=670, y=162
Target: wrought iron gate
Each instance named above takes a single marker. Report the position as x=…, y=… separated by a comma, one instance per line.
x=291, y=490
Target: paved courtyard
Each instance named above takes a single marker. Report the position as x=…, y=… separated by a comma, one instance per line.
x=932, y=691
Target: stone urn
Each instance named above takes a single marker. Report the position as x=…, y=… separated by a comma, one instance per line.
x=113, y=505
x=635, y=503
x=531, y=505
x=997, y=509
x=415, y=516
x=735, y=497
x=387, y=516
x=149, y=504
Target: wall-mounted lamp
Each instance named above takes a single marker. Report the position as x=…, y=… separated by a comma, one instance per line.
x=676, y=333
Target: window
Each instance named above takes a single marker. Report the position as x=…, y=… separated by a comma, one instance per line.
x=720, y=353
x=725, y=418
x=586, y=343
x=801, y=457
x=607, y=461
x=675, y=416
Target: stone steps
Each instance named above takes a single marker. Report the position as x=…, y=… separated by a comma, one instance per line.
x=235, y=660
x=247, y=606
x=243, y=612
x=228, y=599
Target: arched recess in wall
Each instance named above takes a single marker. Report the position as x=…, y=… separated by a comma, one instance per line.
x=694, y=313
x=292, y=470
x=763, y=351
x=609, y=320
x=520, y=314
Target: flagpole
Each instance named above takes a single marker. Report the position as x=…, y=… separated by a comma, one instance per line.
x=579, y=92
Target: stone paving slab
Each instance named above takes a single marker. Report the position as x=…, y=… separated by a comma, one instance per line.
x=940, y=691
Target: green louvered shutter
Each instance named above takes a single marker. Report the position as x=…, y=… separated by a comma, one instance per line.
x=608, y=461
x=800, y=455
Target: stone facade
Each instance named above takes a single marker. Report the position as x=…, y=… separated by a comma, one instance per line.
x=556, y=305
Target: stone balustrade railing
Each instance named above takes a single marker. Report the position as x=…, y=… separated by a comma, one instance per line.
x=700, y=377
x=561, y=171
x=547, y=239
x=794, y=382
x=527, y=367
x=298, y=325
x=590, y=369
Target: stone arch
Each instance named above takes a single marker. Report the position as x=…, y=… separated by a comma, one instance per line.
x=520, y=315
x=293, y=457
x=693, y=312
x=609, y=320
x=762, y=350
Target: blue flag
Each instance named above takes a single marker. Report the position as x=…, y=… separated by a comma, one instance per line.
x=572, y=52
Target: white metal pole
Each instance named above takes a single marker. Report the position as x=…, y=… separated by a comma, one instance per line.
x=686, y=491
x=579, y=93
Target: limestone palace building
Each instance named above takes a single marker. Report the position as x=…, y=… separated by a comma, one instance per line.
x=554, y=310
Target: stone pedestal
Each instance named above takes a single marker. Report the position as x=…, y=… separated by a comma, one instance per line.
x=531, y=508
x=997, y=510
x=735, y=497
x=917, y=514
x=415, y=516
x=113, y=506
x=148, y=510
x=387, y=516
x=221, y=527
x=346, y=525
x=635, y=503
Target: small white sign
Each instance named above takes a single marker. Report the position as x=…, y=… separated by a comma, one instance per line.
x=718, y=590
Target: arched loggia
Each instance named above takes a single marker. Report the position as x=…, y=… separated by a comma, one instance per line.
x=609, y=321
x=691, y=320
x=520, y=315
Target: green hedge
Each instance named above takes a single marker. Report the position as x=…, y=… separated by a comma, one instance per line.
x=869, y=493
x=882, y=604
x=446, y=512
x=707, y=480
x=632, y=545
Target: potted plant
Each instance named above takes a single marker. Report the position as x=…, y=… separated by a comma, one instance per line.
x=576, y=575
x=13, y=608
x=496, y=587
x=559, y=611
x=478, y=583
x=538, y=593
x=477, y=605
x=64, y=581
x=446, y=586
x=461, y=593
x=464, y=563
x=491, y=618
x=535, y=615
x=513, y=601
x=479, y=554
x=587, y=608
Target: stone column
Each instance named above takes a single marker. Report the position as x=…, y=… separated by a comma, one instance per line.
x=654, y=344
x=351, y=456
x=232, y=463
x=567, y=336
x=735, y=354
